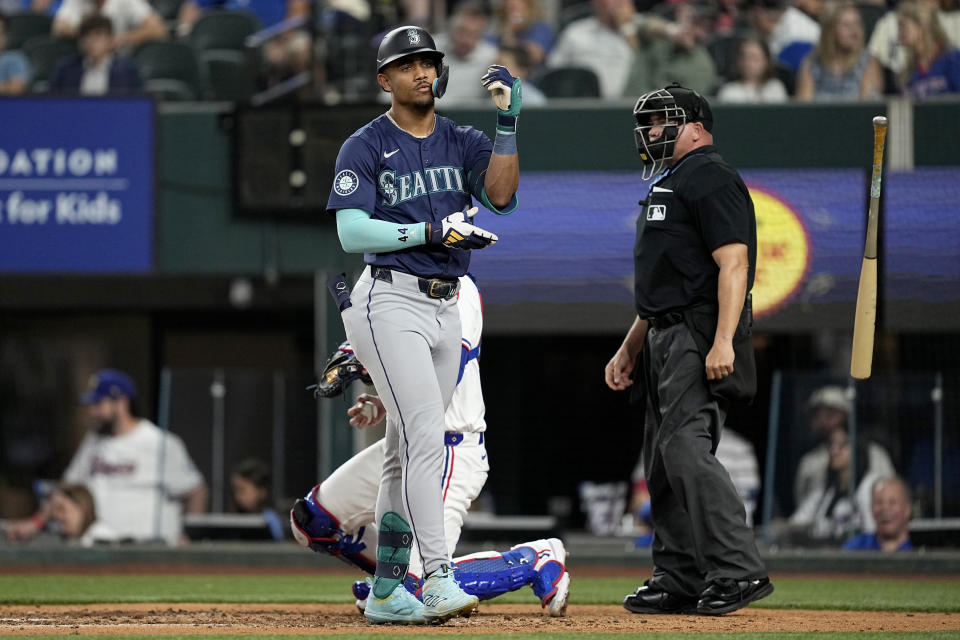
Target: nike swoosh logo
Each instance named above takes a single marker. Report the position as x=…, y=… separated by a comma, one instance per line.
x=387, y=155
x=656, y=189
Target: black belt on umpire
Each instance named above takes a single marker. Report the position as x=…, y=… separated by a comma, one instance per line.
x=669, y=319
x=433, y=287
x=665, y=320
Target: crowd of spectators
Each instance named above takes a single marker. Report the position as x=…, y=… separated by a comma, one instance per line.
x=736, y=50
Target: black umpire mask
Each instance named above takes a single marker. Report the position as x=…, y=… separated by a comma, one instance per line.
x=671, y=117
x=670, y=108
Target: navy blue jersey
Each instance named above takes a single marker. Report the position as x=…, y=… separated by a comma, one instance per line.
x=397, y=177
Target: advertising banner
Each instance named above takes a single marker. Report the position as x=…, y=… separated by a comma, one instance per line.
x=571, y=241
x=76, y=185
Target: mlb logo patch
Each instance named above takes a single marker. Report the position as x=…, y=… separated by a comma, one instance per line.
x=656, y=212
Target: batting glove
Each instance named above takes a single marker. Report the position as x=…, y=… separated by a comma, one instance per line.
x=499, y=79
x=456, y=232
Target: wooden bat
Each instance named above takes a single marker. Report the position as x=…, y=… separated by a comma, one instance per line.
x=861, y=358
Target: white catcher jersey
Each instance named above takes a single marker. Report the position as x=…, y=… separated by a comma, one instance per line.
x=465, y=413
x=123, y=472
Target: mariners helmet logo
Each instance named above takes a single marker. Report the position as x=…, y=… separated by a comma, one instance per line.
x=345, y=183
x=413, y=36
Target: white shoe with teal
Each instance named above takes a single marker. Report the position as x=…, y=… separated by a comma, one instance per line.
x=400, y=607
x=444, y=599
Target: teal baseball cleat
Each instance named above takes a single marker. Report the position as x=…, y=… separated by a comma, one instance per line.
x=400, y=607
x=444, y=599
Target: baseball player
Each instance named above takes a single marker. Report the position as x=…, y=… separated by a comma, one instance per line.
x=402, y=196
x=336, y=516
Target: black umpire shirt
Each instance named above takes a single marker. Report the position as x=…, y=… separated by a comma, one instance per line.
x=692, y=209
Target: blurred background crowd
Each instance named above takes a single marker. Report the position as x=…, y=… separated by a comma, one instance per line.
x=737, y=50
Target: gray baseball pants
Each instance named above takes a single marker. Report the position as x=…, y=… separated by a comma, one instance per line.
x=700, y=529
x=410, y=345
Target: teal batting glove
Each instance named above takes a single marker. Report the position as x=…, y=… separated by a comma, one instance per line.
x=507, y=93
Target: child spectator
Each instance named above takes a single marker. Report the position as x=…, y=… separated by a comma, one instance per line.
x=251, y=489
x=72, y=509
x=755, y=80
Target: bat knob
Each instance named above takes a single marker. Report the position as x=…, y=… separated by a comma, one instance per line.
x=880, y=121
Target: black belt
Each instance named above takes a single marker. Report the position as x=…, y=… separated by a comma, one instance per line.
x=665, y=320
x=433, y=287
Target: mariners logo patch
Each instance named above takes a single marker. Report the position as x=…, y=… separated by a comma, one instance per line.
x=413, y=36
x=656, y=212
x=345, y=183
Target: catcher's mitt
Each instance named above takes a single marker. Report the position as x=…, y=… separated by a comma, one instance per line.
x=341, y=369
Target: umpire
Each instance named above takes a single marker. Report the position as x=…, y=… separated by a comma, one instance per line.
x=688, y=353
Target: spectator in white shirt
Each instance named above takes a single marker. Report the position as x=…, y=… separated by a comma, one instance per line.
x=605, y=43
x=755, y=81
x=140, y=476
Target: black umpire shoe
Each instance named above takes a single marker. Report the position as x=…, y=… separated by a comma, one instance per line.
x=726, y=595
x=652, y=599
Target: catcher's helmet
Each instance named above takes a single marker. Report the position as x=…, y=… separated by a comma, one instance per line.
x=408, y=40
x=341, y=369
x=676, y=106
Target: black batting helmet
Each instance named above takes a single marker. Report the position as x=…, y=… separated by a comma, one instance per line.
x=676, y=106
x=408, y=40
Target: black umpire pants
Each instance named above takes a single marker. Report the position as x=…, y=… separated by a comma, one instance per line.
x=700, y=530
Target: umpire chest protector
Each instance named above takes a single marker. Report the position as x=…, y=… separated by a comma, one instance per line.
x=697, y=206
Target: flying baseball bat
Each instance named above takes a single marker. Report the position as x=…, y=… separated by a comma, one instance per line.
x=861, y=358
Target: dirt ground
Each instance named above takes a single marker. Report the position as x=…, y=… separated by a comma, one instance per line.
x=153, y=618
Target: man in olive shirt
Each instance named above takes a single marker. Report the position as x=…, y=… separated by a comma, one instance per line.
x=695, y=258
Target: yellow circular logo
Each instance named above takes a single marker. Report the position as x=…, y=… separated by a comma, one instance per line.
x=783, y=252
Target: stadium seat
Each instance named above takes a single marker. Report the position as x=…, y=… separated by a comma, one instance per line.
x=794, y=53
x=227, y=75
x=168, y=9
x=174, y=63
x=786, y=75
x=44, y=53
x=167, y=90
x=570, y=82
x=223, y=30
x=23, y=26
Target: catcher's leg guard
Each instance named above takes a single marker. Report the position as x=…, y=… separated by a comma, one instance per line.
x=552, y=580
x=489, y=574
x=393, y=554
x=540, y=563
x=316, y=528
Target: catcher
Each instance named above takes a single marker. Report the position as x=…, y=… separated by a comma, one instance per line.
x=337, y=515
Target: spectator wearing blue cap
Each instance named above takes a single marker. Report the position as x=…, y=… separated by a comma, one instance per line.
x=141, y=477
